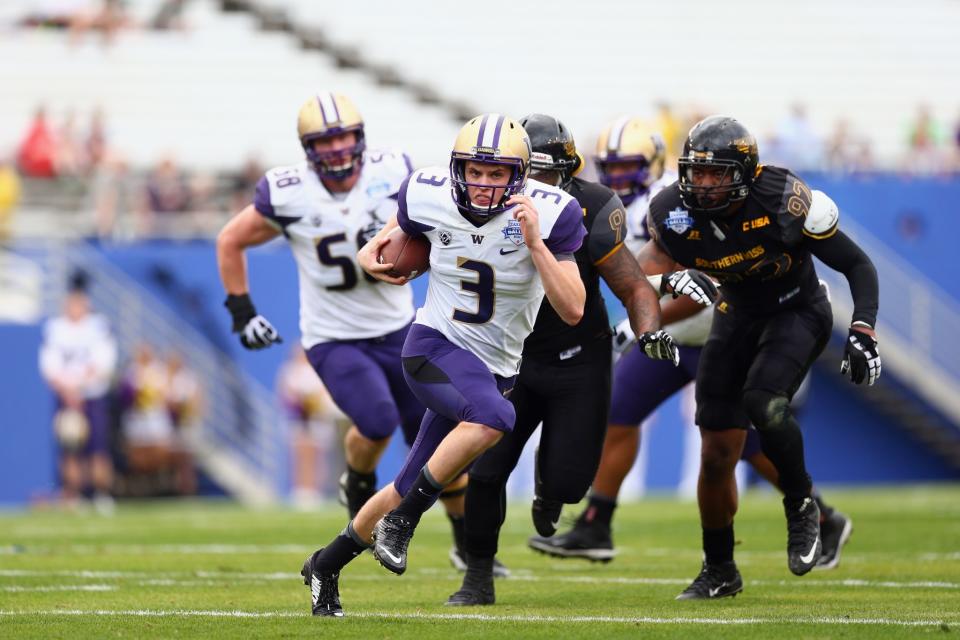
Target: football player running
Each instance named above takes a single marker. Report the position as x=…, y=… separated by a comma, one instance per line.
x=756, y=229
x=630, y=159
x=352, y=326
x=496, y=247
x=564, y=378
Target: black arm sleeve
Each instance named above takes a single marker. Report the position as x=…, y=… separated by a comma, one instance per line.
x=842, y=254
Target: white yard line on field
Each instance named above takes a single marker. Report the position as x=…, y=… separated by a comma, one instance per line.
x=481, y=617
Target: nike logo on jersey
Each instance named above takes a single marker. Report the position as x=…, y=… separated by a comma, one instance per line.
x=809, y=557
x=393, y=558
x=504, y=252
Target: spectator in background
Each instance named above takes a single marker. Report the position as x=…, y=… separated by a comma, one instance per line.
x=845, y=152
x=185, y=405
x=95, y=145
x=169, y=16
x=77, y=359
x=105, y=16
x=799, y=145
x=167, y=191
x=70, y=160
x=924, y=144
x=313, y=417
x=37, y=154
x=111, y=192
x=9, y=197
x=244, y=183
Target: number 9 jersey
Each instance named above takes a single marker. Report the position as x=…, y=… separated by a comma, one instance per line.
x=484, y=290
x=338, y=300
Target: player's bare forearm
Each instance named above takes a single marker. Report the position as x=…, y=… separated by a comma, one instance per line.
x=626, y=279
x=654, y=260
x=561, y=284
x=247, y=229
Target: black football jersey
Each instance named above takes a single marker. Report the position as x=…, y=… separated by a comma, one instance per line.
x=605, y=221
x=757, y=254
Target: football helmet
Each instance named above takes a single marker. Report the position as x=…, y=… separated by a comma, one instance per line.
x=330, y=114
x=552, y=147
x=718, y=141
x=630, y=140
x=494, y=139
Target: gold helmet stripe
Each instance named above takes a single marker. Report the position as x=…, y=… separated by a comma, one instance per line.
x=328, y=108
x=616, y=134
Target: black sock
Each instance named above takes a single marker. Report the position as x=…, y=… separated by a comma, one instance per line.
x=420, y=497
x=479, y=571
x=825, y=510
x=344, y=548
x=718, y=544
x=600, y=509
x=486, y=504
x=457, y=524
x=784, y=447
x=363, y=481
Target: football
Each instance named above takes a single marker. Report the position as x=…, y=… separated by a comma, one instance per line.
x=410, y=255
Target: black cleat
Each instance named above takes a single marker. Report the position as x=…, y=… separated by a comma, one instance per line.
x=546, y=515
x=391, y=537
x=324, y=589
x=803, y=534
x=355, y=490
x=460, y=564
x=715, y=581
x=477, y=587
x=834, y=533
x=588, y=540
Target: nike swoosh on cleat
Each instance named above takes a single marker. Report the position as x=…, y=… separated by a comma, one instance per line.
x=713, y=592
x=392, y=557
x=809, y=557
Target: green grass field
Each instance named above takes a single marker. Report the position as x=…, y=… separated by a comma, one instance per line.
x=191, y=569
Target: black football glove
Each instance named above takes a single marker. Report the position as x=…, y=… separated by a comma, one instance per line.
x=689, y=282
x=861, y=358
x=255, y=331
x=658, y=345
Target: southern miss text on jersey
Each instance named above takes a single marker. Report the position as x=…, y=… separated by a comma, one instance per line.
x=338, y=301
x=637, y=234
x=758, y=254
x=484, y=290
x=603, y=217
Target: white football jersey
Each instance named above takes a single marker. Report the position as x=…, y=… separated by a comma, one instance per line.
x=484, y=291
x=637, y=234
x=81, y=354
x=338, y=300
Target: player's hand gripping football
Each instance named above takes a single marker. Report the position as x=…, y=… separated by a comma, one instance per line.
x=255, y=331
x=861, y=358
x=368, y=259
x=692, y=283
x=526, y=214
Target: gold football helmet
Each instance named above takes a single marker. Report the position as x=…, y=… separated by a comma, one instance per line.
x=629, y=142
x=330, y=114
x=495, y=139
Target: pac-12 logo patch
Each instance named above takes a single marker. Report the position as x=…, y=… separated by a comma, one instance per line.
x=513, y=232
x=679, y=220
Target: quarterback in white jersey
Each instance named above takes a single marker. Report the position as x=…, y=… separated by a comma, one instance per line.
x=352, y=326
x=497, y=247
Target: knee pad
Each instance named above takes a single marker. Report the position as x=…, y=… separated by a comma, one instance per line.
x=767, y=411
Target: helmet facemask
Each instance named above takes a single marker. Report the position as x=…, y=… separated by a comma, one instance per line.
x=731, y=183
x=339, y=164
x=628, y=186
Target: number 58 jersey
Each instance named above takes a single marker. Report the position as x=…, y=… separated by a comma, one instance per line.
x=338, y=300
x=484, y=291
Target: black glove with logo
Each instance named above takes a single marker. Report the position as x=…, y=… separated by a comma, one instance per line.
x=861, y=358
x=255, y=331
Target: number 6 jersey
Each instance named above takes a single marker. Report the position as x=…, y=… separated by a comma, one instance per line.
x=484, y=290
x=338, y=301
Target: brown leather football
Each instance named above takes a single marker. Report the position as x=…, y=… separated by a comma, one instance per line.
x=410, y=255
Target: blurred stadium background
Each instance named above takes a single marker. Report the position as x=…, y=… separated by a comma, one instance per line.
x=132, y=130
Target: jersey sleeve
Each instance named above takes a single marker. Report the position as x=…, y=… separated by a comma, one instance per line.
x=607, y=230
x=409, y=225
x=266, y=202
x=823, y=218
x=568, y=232
x=655, y=214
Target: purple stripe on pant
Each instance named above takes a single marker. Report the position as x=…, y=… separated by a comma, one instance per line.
x=456, y=386
x=365, y=379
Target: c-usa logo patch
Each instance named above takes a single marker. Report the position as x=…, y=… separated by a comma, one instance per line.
x=444, y=236
x=513, y=232
x=679, y=220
